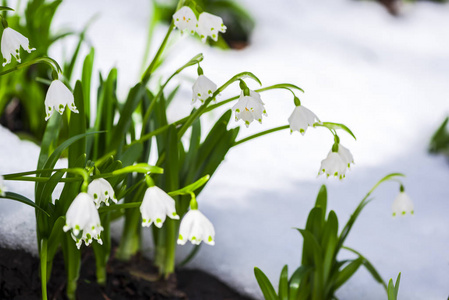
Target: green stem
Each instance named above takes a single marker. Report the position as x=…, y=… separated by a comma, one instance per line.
x=43, y=258
x=49, y=61
x=147, y=75
x=260, y=134
x=170, y=249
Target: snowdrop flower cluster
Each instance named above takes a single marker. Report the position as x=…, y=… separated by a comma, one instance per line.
x=83, y=219
x=196, y=228
x=402, y=204
x=156, y=206
x=203, y=88
x=3, y=188
x=301, y=118
x=249, y=108
x=58, y=96
x=11, y=43
x=101, y=191
x=336, y=162
x=207, y=25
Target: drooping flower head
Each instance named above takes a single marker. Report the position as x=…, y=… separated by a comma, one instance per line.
x=249, y=108
x=209, y=25
x=185, y=19
x=58, y=96
x=156, y=206
x=3, y=188
x=301, y=118
x=195, y=227
x=101, y=191
x=83, y=219
x=345, y=155
x=333, y=165
x=10, y=44
x=203, y=88
x=402, y=204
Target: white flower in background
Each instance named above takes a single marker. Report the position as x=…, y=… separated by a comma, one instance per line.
x=196, y=228
x=101, y=191
x=156, y=206
x=11, y=42
x=58, y=96
x=249, y=108
x=209, y=25
x=301, y=118
x=82, y=217
x=203, y=88
x=3, y=188
x=185, y=19
x=333, y=165
x=345, y=155
x=402, y=205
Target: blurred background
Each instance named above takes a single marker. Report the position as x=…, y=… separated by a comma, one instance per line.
x=380, y=67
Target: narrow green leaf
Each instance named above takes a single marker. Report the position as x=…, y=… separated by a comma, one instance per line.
x=396, y=286
x=265, y=285
x=23, y=199
x=348, y=271
x=283, y=284
x=191, y=187
x=334, y=126
x=296, y=279
x=321, y=199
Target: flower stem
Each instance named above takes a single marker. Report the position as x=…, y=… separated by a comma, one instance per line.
x=43, y=258
x=260, y=134
x=49, y=61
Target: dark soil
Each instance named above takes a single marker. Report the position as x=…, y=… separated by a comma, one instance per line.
x=20, y=280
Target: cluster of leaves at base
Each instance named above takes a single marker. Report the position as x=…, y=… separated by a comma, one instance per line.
x=22, y=93
x=439, y=144
x=321, y=274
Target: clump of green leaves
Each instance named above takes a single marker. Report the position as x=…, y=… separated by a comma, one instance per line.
x=393, y=289
x=321, y=273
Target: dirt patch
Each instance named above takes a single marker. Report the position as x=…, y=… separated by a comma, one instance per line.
x=20, y=280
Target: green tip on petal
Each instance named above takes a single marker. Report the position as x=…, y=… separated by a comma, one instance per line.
x=210, y=239
x=158, y=220
x=403, y=213
x=180, y=237
x=394, y=214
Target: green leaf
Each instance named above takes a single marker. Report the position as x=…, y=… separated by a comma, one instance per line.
x=77, y=126
x=321, y=199
x=55, y=238
x=6, y=8
x=140, y=168
x=265, y=285
x=23, y=199
x=396, y=286
x=49, y=139
x=283, y=284
x=86, y=79
x=191, y=187
x=335, y=126
x=296, y=279
x=391, y=291
x=347, y=272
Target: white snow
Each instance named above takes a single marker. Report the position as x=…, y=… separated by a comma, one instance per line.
x=384, y=77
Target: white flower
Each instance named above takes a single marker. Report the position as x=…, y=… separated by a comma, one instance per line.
x=82, y=217
x=156, y=205
x=345, y=155
x=249, y=108
x=58, y=96
x=11, y=42
x=333, y=165
x=3, y=188
x=402, y=205
x=101, y=191
x=203, y=88
x=185, y=19
x=301, y=118
x=196, y=228
x=209, y=25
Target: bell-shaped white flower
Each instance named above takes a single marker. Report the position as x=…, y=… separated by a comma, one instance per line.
x=301, y=118
x=209, y=25
x=156, y=206
x=58, y=96
x=185, y=19
x=101, y=191
x=3, y=188
x=333, y=165
x=402, y=205
x=196, y=228
x=10, y=44
x=203, y=88
x=83, y=219
x=345, y=155
x=249, y=108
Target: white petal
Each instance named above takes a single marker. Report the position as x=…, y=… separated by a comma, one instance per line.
x=185, y=19
x=209, y=25
x=203, y=88
x=58, y=96
x=402, y=205
x=11, y=43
